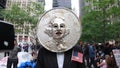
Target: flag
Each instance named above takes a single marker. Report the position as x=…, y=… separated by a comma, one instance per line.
x=77, y=56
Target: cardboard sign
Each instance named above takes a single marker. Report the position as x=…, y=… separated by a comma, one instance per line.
x=116, y=53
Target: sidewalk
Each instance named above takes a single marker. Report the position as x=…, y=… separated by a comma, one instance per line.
x=2, y=66
x=1, y=56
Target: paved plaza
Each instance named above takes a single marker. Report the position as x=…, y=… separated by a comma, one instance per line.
x=2, y=56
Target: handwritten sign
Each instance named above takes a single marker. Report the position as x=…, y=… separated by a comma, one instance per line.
x=116, y=53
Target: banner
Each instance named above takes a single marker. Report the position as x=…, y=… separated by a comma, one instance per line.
x=116, y=53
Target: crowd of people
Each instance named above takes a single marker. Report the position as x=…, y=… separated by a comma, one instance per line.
x=13, y=57
x=94, y=55
x=99, y=55
x=60, y=50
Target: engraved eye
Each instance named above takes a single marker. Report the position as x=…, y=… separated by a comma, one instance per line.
x=55, y=25
x=62, y=25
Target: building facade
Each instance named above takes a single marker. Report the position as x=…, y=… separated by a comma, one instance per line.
x=75, y=6
x=2, y=6
x=23, y=36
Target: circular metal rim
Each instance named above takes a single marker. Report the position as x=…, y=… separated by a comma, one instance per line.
x=53, y=10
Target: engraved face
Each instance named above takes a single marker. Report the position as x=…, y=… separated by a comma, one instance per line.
x=58, y=28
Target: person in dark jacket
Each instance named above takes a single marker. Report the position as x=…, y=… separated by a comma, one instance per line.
x=48, y=59
x=13, y=59
x=59, y=40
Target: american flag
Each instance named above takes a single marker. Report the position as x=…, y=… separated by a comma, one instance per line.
x=77, y=56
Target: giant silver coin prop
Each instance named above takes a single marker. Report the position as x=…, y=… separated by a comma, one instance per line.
x=59, y=30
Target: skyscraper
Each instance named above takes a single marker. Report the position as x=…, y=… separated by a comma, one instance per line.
x=75, y=6
x=2, y=6
x=62, y=3
x=2, y=3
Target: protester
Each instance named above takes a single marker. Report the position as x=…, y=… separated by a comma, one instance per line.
x=86, y=54
x=56, y=53
x=48, y=59
x=13, y=59
x=92, y=55
x=108, y=62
